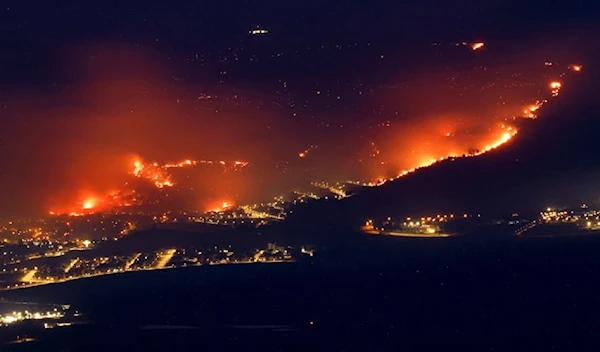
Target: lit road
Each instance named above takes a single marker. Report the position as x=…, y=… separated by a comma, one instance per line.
x=131, y=261
x=418, y=235
x=407, y=234
x=29, y=276
x=259, y=214
x=527, y=227
x=164, y=259
x=33, y=282
x=71, y=265
x=240, y=262
x=338, y=192
x=307, y=195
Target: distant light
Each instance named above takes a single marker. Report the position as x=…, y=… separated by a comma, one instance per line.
x=258, y=31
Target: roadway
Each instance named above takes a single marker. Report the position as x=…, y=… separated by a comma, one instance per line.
x=34, y=282
x=132, y=261
x=407, y=234
x=29, y=277
x=71, y=265
x=164, y=259
x=529, y=226
x=417, y=235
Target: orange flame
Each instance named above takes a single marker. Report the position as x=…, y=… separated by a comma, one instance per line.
x=477, y=46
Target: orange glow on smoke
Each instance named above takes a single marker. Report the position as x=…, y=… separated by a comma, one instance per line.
x=499, y=140
x=494, y=141
x=220, y=206
x=137, y=114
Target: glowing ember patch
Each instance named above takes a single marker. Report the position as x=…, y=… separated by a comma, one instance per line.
x=220, y=206
x=477, y=46
x=555, y=86
x=305, y=152
x=159, y=175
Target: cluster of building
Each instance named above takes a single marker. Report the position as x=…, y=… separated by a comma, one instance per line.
x=61, y=247
x=64, y=227
x=258, y=214
x=430, y=225
x=439, y=225
x=15, y=317
x=583, y=217
x=88, y=264
x=562, y=222
x=49, y=315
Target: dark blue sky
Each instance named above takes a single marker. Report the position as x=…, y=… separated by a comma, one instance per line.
x=34, y=34
x=51, y=22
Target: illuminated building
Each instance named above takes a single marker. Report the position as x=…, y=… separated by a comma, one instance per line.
x=258, y=31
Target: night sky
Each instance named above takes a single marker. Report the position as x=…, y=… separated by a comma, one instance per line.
x=86, y=89
x=37, y=31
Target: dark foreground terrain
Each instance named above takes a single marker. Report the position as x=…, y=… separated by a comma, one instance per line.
x=380, y=293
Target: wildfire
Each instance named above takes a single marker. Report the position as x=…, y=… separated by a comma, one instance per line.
x=159, y=175
x=506, y=135
x=153, y=172
x=184, y=163
x=503, y=138
x=156, y=173
x=304, y=153
x=189, y=162
x=477, y=46
x=531, y=110
x=162, y=176
x=473, y=45
x=555, y=86
x=220, y=206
